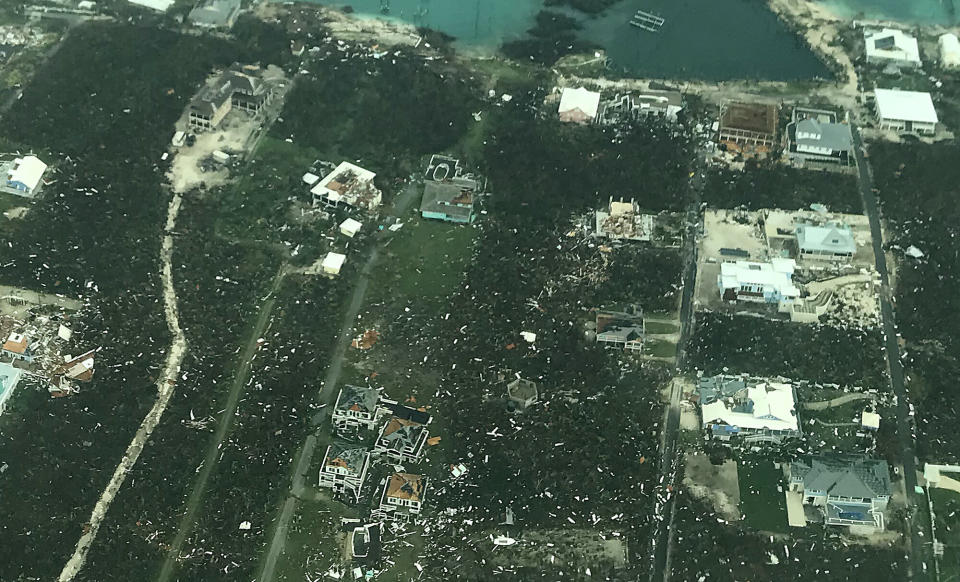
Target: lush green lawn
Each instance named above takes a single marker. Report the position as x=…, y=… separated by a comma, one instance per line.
x=660, y=349
x=657, y=327
x=762, y=504
x=425, y=261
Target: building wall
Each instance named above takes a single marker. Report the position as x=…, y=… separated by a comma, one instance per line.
x=901, y=125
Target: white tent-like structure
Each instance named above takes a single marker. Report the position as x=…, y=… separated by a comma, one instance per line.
x=949, y=51
x=578, y=105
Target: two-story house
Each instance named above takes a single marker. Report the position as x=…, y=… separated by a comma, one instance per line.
x=344, y=469
x=17, y=347
x=738, y=408
x=402, y=440
x=356, y=408
x=850, y=490
x=402, y=496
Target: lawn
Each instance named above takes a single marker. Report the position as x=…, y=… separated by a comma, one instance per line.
x=660, y=349
x=946, y=507
x=425, y=261
x=760, y=501
x=660, y=327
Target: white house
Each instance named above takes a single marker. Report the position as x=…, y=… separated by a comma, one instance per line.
x=831, y=241
x=344, y=469
x=737, y=407
x=910, y=111
x=356, y=407
x=9, y=377
x=348, y=184
x=402, y=440
x=758, y=282
x=24, y=175
x=892, y=46
x=350, y=227
x=332, y=263
x=402, y=496
x=949, y=51
x=158, y=5
x=17, y=347
x=578, y=105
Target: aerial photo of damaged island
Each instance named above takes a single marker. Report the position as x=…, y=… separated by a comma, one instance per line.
x=479, y=290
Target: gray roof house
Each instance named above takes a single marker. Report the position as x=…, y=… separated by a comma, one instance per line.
x=344, y=469
x=215, y=13
x=850, y=490
x=816, y=140
x=402, y=440
x=830, y=241
x=356, y=407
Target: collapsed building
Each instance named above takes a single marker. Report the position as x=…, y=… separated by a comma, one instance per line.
x=623, y=221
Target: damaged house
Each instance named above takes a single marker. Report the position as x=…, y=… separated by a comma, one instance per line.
x=621, y=329
x=402, y=440
x=344, y=469
x=747, y=410
x=402, y=496
x=623, y=221
x=237, y=88
x=356, y=408
x=347, y=185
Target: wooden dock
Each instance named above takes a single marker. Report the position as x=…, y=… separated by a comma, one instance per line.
x=647, y=21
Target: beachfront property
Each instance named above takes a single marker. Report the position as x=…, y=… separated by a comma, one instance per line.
x=949, y=50
x=621, y=329
x=626, y=107
x=239, y=87
x=891, y=47
x=402, y=496
x=910, y=111
x=347, y=185
x=748, y=124
x=356, y=408
x=344, y=469
x=578, y=105
x=402, y=440
x=758, y=282
x=17, y=347
x=623, y=221
x=215, y=14
x=849, y=490
x=738, y=408
x=832, y=241
x=814, y=135
x=23, y=175
x=9, y=377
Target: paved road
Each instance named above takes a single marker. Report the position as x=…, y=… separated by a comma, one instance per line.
x=662, y=535
x=237, y=389
x=327, y=395
x=895, y=367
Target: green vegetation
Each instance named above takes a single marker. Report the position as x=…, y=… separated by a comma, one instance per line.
x=105, y=105
x=378, y=126
x=729, y=553
x=919, y=185
x=425, y=261
x=768, y=184
x=802, y=352
x=946, y=507
x=657, y=327
x=763, y=506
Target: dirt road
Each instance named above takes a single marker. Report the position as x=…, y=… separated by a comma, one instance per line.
x=165, y=388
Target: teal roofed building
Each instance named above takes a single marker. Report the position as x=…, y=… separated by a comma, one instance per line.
x=448, y=201
x=9, y=377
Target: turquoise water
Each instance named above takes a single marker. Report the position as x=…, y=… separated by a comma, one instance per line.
x=916, y=11
x=701, y=39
